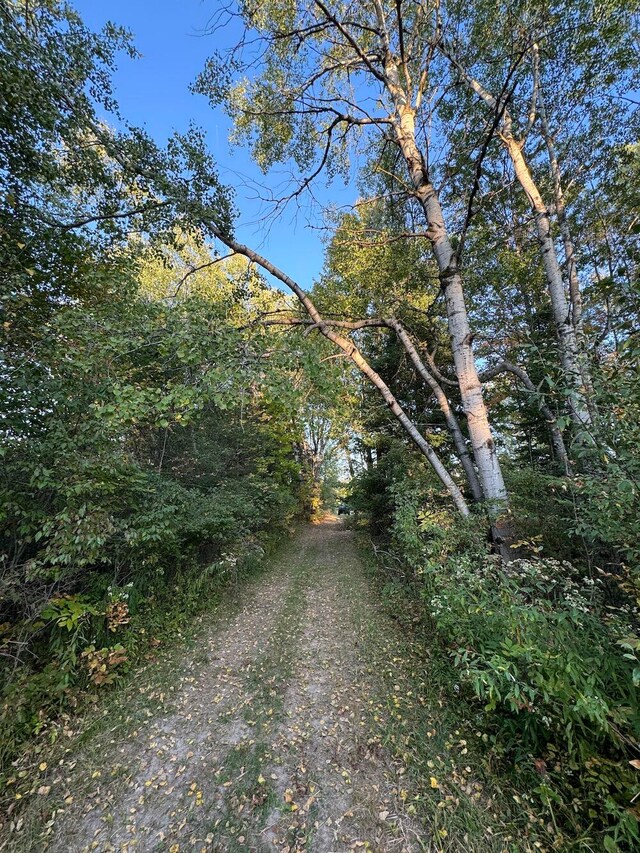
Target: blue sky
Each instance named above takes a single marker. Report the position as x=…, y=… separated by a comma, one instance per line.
x=153, y=93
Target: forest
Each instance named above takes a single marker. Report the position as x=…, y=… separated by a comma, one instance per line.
x=461, y=379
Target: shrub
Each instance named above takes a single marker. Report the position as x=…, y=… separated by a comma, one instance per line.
x=539, y=644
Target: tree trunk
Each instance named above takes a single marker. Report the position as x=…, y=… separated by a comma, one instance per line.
x=562, y=314
x=445, y=407
x=353, y=353
x=557, y=441
x=568, y=343
x=571, y=265
x=484, y=449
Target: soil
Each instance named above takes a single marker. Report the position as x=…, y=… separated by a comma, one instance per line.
x=263, y=736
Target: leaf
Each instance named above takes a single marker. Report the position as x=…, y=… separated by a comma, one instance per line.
x=610, y=845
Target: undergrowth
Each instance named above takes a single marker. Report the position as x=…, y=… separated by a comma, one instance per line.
x=97, y=641
x=438, y=740
x=538, y=653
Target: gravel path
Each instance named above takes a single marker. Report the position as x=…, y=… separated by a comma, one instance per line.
x=260, y=738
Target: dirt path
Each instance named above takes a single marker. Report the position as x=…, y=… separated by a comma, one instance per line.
x=262, y=738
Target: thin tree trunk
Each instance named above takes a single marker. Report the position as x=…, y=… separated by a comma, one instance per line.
x=445, y=407
x=353, y=353
x=349, y=460
x=369, y=458
x=571, y=265
x=554, y=430
x=561, y=214
x=562, y=314
x=482, y=442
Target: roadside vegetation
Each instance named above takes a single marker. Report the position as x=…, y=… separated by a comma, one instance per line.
x=462, y=375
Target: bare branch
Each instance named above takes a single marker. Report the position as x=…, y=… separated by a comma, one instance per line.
x=505, y=366
x=195, y=269
x=354, y=44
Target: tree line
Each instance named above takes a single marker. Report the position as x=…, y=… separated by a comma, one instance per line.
x=469, y=351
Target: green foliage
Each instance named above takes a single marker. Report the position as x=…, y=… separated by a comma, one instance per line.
x=537, y=642
x=144, y=472
x=607, y=492
x=530, y=642
x=149, y=429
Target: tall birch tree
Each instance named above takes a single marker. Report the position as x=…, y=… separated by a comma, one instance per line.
x=562, y=110
x=314, y=82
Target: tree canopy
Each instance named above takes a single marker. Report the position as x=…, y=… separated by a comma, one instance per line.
x=464, y=371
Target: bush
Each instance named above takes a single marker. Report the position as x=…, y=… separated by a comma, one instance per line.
x=539, y=644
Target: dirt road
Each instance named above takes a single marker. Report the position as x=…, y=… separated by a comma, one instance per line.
x=267, y=735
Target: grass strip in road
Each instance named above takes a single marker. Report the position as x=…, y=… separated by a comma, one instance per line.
x=246, y=778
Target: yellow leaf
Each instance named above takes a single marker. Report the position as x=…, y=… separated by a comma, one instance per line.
x=43, y=766
x=434, y=782
x=261, y=779
x=443, y=833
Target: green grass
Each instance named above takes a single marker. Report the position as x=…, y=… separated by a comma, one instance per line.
x=251, y=795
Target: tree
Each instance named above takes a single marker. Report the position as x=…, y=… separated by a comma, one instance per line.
x=148, y=431
x=564, y=90
x=319, y=69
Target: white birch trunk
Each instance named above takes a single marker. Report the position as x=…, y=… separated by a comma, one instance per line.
x=556, y=434
x=562, y=314
x=568, y=342
x=353, y=353
x=571, y=265
x=482, y=442
x=445, y=407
